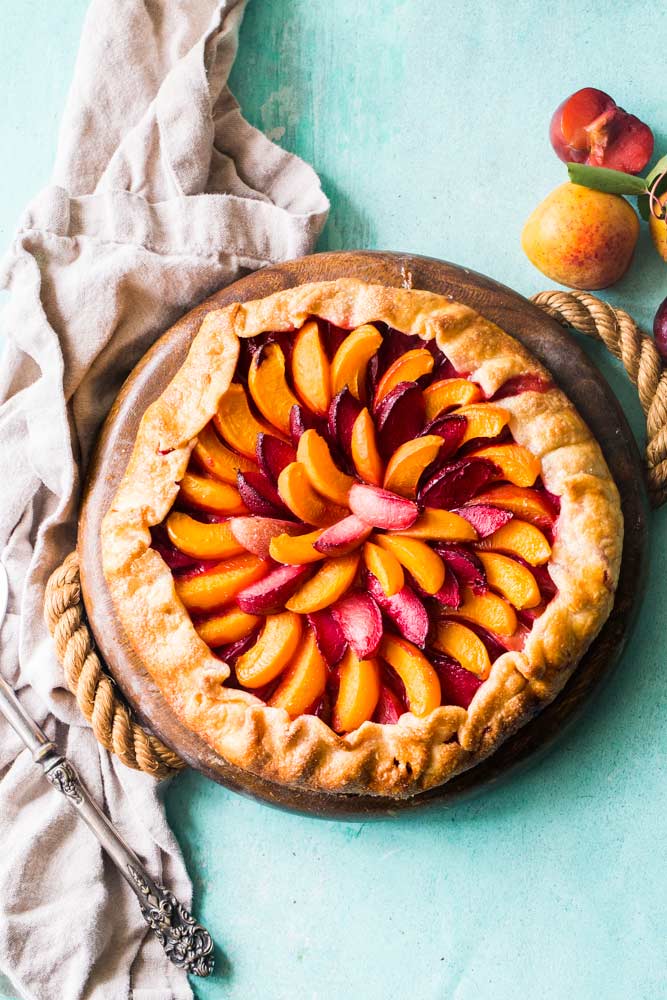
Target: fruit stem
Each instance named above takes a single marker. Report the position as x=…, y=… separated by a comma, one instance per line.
x=654, y=200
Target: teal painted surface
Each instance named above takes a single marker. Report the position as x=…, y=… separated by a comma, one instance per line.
x=427, y=122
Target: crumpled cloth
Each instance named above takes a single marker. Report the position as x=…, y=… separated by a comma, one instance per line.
x=161, y=193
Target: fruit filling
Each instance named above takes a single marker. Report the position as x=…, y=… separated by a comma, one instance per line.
x=358, y=534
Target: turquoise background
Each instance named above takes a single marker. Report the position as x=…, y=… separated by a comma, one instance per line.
x=428, y=124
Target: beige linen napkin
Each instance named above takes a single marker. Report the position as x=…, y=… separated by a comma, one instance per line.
x=161, y=193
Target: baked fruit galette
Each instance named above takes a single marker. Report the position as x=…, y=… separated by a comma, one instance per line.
x=361, y=539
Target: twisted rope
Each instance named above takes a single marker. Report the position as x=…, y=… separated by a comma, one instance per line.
x=103, y=705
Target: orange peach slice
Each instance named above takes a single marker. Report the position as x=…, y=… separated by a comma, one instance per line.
x=277, y=643
x=408, y=462
x=358, y=693
x=422, y=686
x=489, y=611
x=422, y=562
x=329, y=583
x=214, y=457
x=228, y=627
x=449, y=392
x=210, y=494
x=440, y=526
x=296, y=550
x=516, y=583
x=220, y=584
x=304, y=680
x=522, y=502
x=384, y=565
x=365, y=454
x=518, y=538
x=268, y=386
x=484, y=420
x=464, y=645
x=236, y=423
x=311, y=373
x=351, y=359
x=203, y=541
x=296, y=491
x=516, y=463
x=408, y=368
x=323, y=473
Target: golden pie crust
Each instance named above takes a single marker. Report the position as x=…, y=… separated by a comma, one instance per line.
x=414, y=754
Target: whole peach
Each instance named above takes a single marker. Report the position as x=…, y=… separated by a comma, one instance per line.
x=580, y=237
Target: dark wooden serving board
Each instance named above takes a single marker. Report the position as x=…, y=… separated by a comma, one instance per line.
x=572, y=371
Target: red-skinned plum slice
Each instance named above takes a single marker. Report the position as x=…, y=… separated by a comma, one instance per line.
x=360, y=621
x=389, y=708
x=343, y=537
x=449, y=594
x=458, y=686
x=260, y=495
x=273, y=455
x=343, y=411
x=174, y=558
x=269, y=594
x=522, y=383
x=381, y=508
x=484, y=518
x=404, y=609
x=330, y=640
x=231, y=652
x=400, y=417
x=451, y=428
x=465, y=566
x=457, y=482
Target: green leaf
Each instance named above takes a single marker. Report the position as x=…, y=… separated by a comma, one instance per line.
x=603, y=179
x=644, y=206
x=659, y=168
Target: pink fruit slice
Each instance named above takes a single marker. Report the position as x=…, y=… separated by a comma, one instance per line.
x=451, y=428
x=260, y=495
x=269, y=594
x=360, y=621
x=381, y=508
x=255, y=533
x=458, y=686
x=273, y=455
x=449, y=594
x=465, y=565
x=388, y=709
x=344, y=536
x=400, y=417
x=484, y=518
x=343, y=412
x=404, y=609
x=330, y=639
x=522, y=383
x=457, y=482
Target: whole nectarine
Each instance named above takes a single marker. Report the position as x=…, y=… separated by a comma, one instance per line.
x=580, y=237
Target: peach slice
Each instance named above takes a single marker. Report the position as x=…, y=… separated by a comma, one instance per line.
x=348, y=367
x=303, y=682
x=329, y=583
x=268, y=386
x=441, y=525
x=384, y=565
x=255, y=533
x=513, y=580
x=450, y=392
x=323, y=473
x=296, y=491
x=516, y=463
x=311, y=373
x=358, y=693
x=295, y=550
x=221, y=583
x=364, y=448
x=210, y=494
x=381, y=508
x=489, y=611
x=523, y=502
x=407, y=368
x=407, y=464
x=277, y=643
x=203, y=541
x=463, y=645
x=344, y=536
x=236, y=423
x=422, y=686
x=421, y=562
x=484, y=420
x=228, y=627
x=518, y=538
x=214, y=457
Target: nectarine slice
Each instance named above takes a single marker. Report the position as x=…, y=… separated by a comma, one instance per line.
x=407, y=464
x=236, y=423
x=323, y=473
x=268, y=386
x=344, y=536
x=484, y=420
x=516, y=463
x=422, y=686
x=518, y=538
x=220, y=584
x=350, y=360
x=295, y=550
x=489, y=611
x=295, y=489
x=203, y=541
x=513, y=580
x=522, y=502
x=214, y=457
x=311, y=372
x=407, y=368
x=277, y=643
x=228, y=627
x=381, y=508
x=384, y=565
x=364, y=448
x=449, y=392
x=329, y=583
x=441, y=525
x=463, y=645
x=210, y=494
x=421, y=562
x=304, y=680
x=358, y=693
